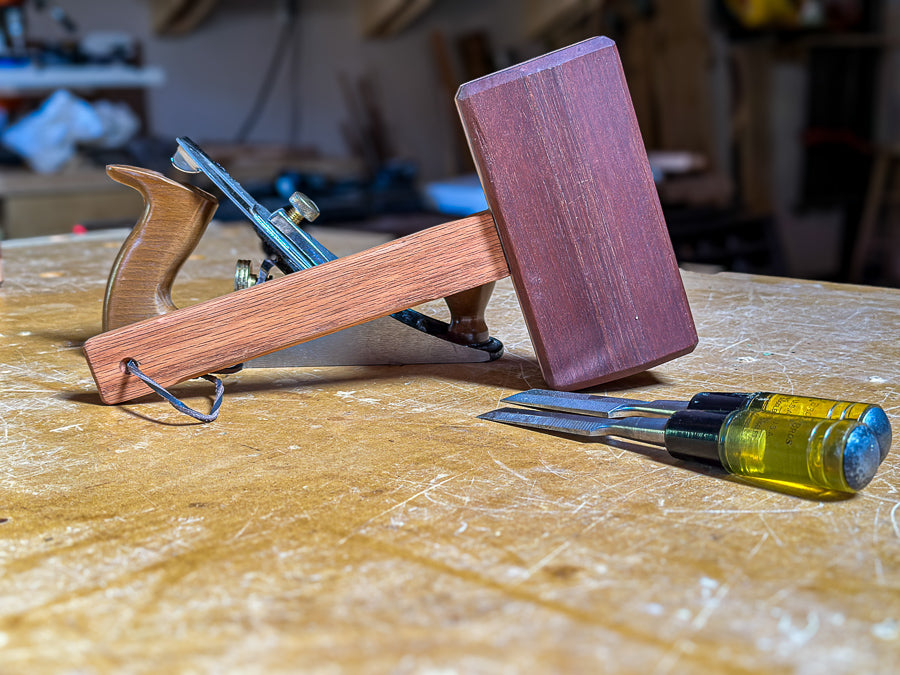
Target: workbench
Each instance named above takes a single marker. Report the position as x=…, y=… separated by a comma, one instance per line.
x=33, y=204
x=363, y=519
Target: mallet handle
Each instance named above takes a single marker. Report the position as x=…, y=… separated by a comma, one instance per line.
x=237, y=327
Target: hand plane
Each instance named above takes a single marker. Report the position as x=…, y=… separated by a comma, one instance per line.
x=174, y=219
x=575, y=220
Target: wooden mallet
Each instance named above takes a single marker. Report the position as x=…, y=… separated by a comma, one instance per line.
x=576, y=222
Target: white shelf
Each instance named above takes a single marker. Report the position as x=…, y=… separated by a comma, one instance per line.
x=34, y=79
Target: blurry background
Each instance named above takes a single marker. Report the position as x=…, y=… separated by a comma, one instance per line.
x=773, y=126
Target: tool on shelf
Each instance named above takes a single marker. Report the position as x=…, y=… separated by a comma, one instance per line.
x=839, y=455
x=175, y=217
x=572, y=200
x=872, y=416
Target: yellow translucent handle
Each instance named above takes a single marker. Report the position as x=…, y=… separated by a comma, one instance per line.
x=807, y=406
x=829, y=454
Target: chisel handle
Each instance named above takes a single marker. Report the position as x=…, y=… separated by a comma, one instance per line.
x=175, y=216
x=838, y=455
x=234, y=328
x=872, y=416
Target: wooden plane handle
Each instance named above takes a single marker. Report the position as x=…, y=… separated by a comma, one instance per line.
x=174, y=218
x=467, y=324
x=435, y=263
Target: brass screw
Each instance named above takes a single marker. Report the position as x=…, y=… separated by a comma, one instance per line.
x=302, y=207
x=243, y=275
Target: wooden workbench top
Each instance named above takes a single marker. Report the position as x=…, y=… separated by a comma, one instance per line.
x=362, y=519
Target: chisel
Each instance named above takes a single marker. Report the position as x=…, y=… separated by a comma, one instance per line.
x=783, y=404
x=840, y=455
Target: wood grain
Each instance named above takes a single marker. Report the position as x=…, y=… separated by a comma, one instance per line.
x=225, y=331
x=559, y=152
x=175, y=216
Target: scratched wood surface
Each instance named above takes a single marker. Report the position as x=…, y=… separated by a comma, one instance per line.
x=362, y=519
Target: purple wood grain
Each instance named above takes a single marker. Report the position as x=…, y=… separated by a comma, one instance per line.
x=565, y=172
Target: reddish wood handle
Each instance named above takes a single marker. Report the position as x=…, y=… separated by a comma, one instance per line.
x=237, y=327
x=174, y=218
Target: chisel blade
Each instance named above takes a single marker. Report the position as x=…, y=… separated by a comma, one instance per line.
x=590, y=404
x=585, y=404
x=579, y=425
x=643, y=429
